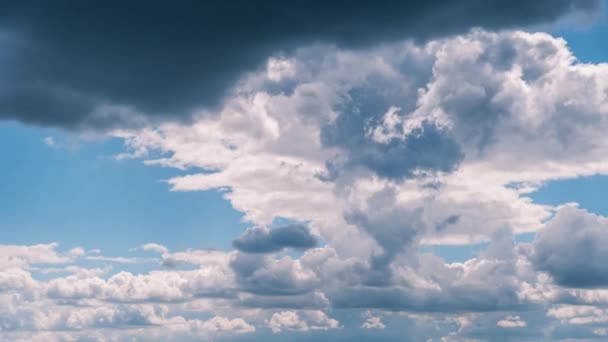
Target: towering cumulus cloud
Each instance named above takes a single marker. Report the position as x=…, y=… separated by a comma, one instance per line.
x=390, y=135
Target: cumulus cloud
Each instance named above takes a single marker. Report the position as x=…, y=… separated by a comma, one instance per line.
x=14, y=255
x=264, y=240
x=284, y=151
x=578, y=315
x=102, y=75
x=187, y=257
x=511, y=322
x=572, y=248
x=268, y=276
x=301, y=321
x=373, y=322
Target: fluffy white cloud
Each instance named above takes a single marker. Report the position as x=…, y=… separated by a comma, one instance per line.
x=373, y=322
x=19, y=256
x=221, y=324
x=579, y=314
x=301, y=321
x=511, y=322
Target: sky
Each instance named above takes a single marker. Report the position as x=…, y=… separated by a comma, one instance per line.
x=337, y=171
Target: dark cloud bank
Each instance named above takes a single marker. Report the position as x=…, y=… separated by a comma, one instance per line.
x=80, y=64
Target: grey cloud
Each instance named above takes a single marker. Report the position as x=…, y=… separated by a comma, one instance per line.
x=264, y=240
x=64, y=63
x=395, y=229
x=488, y=283
x=262, y=275
x=573, y=249
x=427, y=148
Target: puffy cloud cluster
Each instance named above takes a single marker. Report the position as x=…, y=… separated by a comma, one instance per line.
x=373, y=322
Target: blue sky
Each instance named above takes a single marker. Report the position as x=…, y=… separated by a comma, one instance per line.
x=81, y=195
x=378, y=180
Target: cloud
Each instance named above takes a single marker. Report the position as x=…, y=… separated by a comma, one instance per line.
x=268, y=276
x=373, y=322
x=14, y=255
x=511, y=322
x=221, y=324
x=154, y=247
x=101, y=75
x=158, y=286
x=579, y=315
x=301, y=321
x=572, y=247
x=264, y=240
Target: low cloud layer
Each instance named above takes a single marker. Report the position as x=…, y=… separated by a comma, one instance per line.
x=54, y=293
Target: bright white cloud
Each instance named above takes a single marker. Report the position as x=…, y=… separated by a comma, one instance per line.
x=511, y=322
x=301, y=321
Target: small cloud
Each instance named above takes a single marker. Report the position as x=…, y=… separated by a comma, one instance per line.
x=76, y=252
x=301, y=321
x=512, y=322
x=279, y=69
x=154, y=247
x=372, y=322
x=50, y=142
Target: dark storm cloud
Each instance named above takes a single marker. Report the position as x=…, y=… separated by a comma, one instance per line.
x=63, y=61
x=263, y=240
